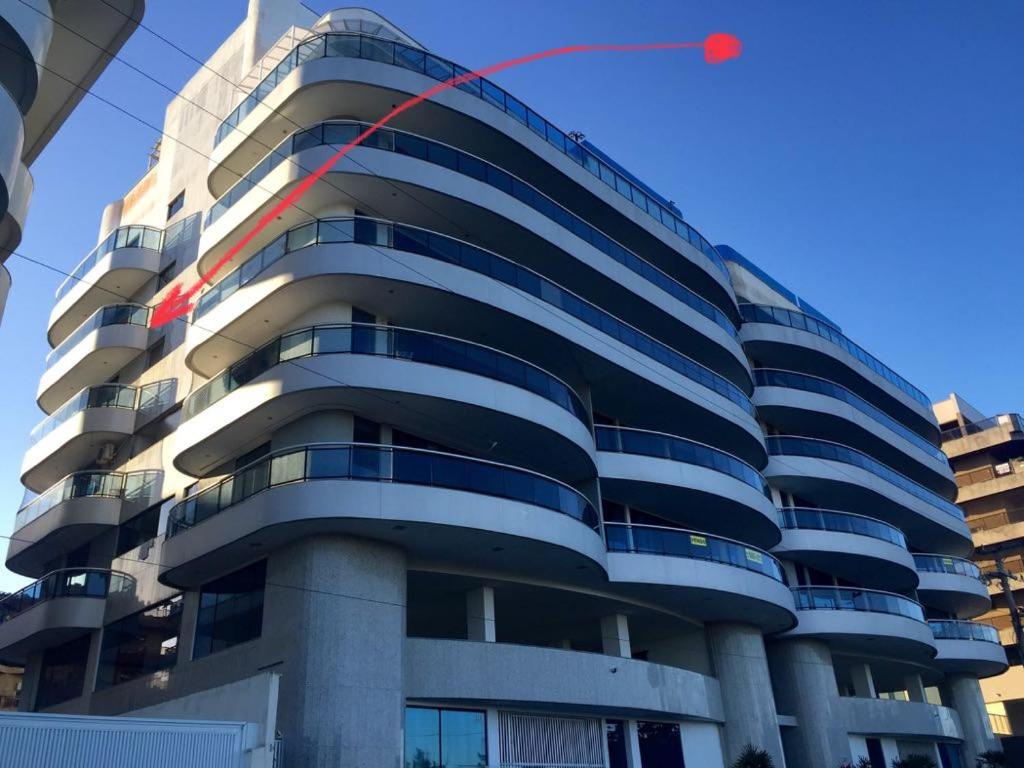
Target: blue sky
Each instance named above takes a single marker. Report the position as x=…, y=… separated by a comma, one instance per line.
x=869, y=155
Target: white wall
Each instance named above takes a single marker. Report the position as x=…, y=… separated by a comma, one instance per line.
x=702, y=745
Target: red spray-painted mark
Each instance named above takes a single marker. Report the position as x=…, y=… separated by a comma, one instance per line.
x=177, y=302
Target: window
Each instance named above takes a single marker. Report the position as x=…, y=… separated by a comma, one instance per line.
x=144, y=642
x=230, y=610
x=155, y=353
x=176, y=204
x=142, y=527
x=660, y=745
x=62, y=675
x=165, y=276
x=445, y=738
x=248, y=458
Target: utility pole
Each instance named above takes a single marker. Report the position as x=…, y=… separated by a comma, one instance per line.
x=1004, y=577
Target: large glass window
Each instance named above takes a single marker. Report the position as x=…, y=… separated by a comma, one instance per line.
x=445, y=738
x=62, y=675
x=142, y=527
x=660, y=745
x=231, y=610
x=144, y=642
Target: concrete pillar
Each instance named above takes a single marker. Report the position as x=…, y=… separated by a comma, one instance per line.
x=915, y=688
x=336, y=606
x=615, y=636
x=805, y=687
x=480, y=620
x=963, y=693
x=30, y=682
x=741, y=666
x=863, y=681
x=633, y=744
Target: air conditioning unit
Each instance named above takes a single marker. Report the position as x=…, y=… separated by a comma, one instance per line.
x=107, y=453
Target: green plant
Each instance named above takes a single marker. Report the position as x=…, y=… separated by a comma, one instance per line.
x=993, y=758
x=913, y=761
x=752, y=757
x=862, y=762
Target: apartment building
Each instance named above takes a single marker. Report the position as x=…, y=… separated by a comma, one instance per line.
x=478, y=455
x=987, y=457
x=51, y=52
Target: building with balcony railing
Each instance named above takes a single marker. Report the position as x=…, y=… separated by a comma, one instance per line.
x=987, y=457
x=45, y=70
x=480, y=455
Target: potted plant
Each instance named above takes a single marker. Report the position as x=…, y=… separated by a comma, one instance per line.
x=752, y=757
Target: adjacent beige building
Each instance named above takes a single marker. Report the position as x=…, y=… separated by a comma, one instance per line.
x=987, y=457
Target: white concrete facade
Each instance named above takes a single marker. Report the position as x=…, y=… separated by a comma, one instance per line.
x=468, y=441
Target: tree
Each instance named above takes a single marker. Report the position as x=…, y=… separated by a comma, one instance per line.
x=993, y=758
x=752, y=757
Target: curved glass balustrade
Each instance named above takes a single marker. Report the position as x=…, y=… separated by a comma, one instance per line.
x=122, y=237
x=102, y=396
x=449, y=250
x=149, y=400
x=115, y=314
x=386, y=341
x=381, y=463
x=759, y=313
x=947, y=564
x=1009, y=421
x=130, y=486
x=68, y=582
x=677, y=542
x=856, y=599
x=809, y=518
x=341, y=132
x=770, y=377
x=823, y=449
x=375, y=49
x=659, y=445
x=948, y=629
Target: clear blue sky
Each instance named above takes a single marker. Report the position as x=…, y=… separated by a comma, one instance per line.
x=869, y=155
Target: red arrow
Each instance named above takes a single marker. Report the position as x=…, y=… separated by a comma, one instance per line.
x=717, y=48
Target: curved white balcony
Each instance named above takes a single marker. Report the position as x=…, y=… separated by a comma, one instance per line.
x=478, y=116
x=508, y=518
x=952, y=585
x=853, y=547
x=473, y=673
x=115, y=269
x=60, y=606
x=94, y=352
x=800, y=404
x=12, y=128
x=650, y=383
x=705, y=577
x=74, y=435
x=12, y=220
x=864, y=622
x=836, y=476
x=968, y=647
x=893, y=717
x=73, y=512
x=791, y=340
x=689, y=483
x=423, y=382
x=25, y=38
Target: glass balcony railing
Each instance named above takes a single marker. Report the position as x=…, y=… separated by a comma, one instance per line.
x=856, y=599
x=769, y=377
x=758, y=313
x=381, y=463
x=386, y=341
x=402, y=143
x=809, y=518
x=947, y=564
x=948, y=629
x=148, y=400
x=123, y=237
x=694, y=545
x=823, y=449
x=402, y=237
x=1009, y=421
x=387, y=52
x=659, y=445
x=69, y=582
x=115, y=314
x=141, y=486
